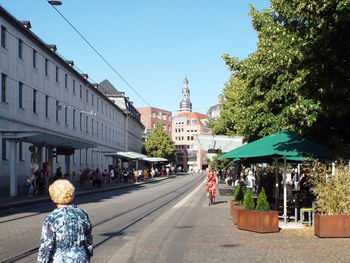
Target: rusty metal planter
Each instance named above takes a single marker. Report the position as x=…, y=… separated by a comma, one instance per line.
x=261, y=222
x=332, y=225
x=235, y=213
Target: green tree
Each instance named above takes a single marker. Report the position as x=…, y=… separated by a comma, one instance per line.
x=248, y=201
x=238, y=196
x=262, y=205
x=160, y=144
x=298, y=78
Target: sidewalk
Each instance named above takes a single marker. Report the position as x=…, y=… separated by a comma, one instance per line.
x=7, y=201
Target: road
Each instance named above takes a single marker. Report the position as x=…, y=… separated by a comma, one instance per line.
x=117, y=216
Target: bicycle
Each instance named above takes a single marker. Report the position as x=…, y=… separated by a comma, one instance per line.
x=210, y=196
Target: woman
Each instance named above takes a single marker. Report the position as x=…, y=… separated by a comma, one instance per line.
x=66, y=232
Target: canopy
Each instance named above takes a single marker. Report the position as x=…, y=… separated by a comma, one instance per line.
x=284, y=143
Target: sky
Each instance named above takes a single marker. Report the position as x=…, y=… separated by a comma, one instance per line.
x=152, y=44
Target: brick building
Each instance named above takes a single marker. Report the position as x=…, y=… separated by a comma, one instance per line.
x=151, y=116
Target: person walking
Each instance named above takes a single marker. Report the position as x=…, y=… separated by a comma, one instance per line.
x=66, y=232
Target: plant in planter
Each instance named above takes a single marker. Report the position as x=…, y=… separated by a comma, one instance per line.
x=332, y=218
x=261, y=220
x=236, y=203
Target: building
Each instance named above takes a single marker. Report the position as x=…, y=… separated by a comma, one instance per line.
x=51, y=115
x=185, y=104
x=151, y=116
x=185, y=126
x=132, y=122
x=214, y=111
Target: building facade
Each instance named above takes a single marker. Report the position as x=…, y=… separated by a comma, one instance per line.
x=214, y=111
x=50, y=113
x=151, y=116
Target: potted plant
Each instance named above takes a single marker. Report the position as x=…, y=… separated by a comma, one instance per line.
x=332, y=218
x=261, y=219
x=236, y=203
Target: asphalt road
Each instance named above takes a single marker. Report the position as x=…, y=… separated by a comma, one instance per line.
x=117, y=217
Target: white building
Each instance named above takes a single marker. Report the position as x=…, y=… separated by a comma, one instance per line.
x=46, y=103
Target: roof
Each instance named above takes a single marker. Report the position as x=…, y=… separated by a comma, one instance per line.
x=193, y=115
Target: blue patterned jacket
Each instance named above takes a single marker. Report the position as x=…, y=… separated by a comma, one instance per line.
x=66, y=236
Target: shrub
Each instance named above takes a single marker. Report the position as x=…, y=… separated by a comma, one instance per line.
x=238, y=195
x=262, y=204
x=248, y=200
x=332, y=191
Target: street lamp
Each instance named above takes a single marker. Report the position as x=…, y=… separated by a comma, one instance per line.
x=51, y=2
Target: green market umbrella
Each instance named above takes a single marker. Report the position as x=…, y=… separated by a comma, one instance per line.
x=286, y=144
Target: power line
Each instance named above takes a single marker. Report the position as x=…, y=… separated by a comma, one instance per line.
x=99, y=54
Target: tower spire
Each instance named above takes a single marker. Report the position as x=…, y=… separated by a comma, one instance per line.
x=185, y=104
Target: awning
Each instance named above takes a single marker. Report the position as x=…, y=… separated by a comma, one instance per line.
x=218, y=142
x=47, y=139
x=136, y=156
x=127, y=155
x=155, y=159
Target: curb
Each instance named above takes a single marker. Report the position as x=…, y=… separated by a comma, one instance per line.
x=78, y=193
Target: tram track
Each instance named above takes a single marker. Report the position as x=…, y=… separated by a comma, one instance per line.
x=181, y=191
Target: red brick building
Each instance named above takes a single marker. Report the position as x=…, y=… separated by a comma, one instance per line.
x=150, y=117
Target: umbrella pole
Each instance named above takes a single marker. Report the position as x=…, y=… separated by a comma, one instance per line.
x=276, y=185
x=285, y=190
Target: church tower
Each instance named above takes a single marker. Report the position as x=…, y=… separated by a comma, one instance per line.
x=185, y=104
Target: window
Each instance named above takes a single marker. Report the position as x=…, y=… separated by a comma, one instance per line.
x=92, y=126
x=153, y=125
x=3, y=150
x=34, y=58
x=20, y=95
x=97, y=103
x=46, y=106
x=3, y=36
x=92, y=99
x=35, y=93
x=97, y=128
x=87, y=95
x=81, y=91
x=73, y=118
x=57, y=106
x=102, y=106
x=20, y=151
x=3, y=87
x=66, y=80
x=81, y=121
x=102, y=131
x=87, y=124
x=46, y=67
x=66, y=115
x=20, y=48
x=57, y=75
x=73, y=86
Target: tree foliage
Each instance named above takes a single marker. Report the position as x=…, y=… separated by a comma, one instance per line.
x=248, y=201
x=262, y=205
x=160, y=144
x=298, y=78
x=238, y=195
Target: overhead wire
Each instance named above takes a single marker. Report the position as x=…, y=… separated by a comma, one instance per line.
x=100, y=55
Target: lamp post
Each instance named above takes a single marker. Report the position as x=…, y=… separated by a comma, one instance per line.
x=51, y=2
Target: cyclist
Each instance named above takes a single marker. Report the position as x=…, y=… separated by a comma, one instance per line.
x=212, y=181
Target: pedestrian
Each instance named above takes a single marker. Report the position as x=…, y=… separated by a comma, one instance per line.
x=125, y=175
x=58, y=174
x=66, y=232
x=98, y=178
x=136, y=175
x=153, y=173
x=112, y=176
x=105, y=177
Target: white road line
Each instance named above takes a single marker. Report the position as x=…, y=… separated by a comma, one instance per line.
x=183, y=201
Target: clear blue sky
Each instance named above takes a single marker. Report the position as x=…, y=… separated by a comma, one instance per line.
x=153, y=44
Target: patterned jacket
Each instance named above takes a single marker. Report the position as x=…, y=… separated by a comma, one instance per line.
x=66, y=236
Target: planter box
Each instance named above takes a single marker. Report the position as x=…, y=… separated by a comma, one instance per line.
x=232, y=204
x=235, y=213
x=261, y=222
x=332, y=225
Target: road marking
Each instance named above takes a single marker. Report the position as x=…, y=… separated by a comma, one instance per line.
x=183, y=201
